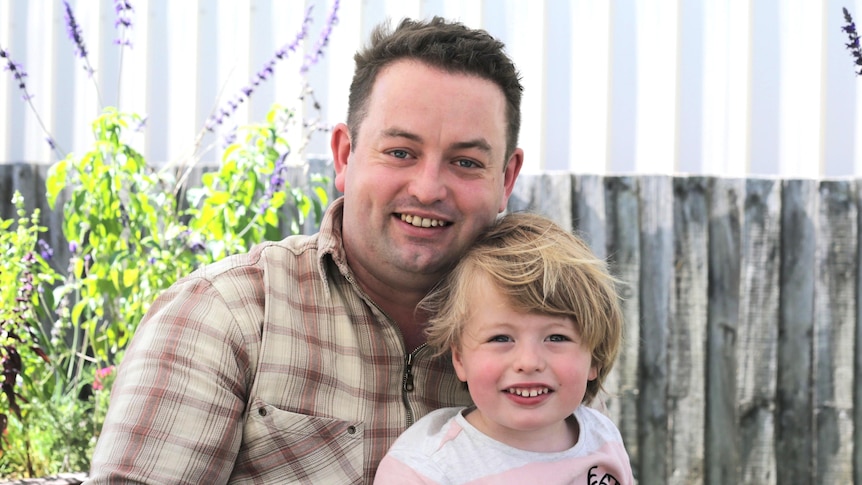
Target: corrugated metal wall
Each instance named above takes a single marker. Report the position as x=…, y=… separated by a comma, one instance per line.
x=716, y=87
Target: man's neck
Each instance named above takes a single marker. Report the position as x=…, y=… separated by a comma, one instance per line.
x=413, y=332
x=399, y=304
x=401, y=308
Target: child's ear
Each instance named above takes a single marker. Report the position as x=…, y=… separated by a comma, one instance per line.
x=458, y=364
x=594, y=372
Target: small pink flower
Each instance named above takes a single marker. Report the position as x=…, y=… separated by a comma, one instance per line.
x=102, y=373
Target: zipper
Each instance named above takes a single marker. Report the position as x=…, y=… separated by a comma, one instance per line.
x=407, y=381
x=407, y=377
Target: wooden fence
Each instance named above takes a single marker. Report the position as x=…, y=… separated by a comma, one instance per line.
x=741, y=303
x=740, y=364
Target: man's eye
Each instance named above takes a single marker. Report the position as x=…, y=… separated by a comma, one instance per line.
x=466, y=163
x=399, y=153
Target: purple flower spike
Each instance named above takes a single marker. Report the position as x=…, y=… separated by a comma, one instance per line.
x=229, y=138
x=123, y=24
x=75, y=34
x=276, y=181
x=45, y=250
x=18, y=73
x=317, y=51
x=220, y=115
x=853, y=45
x=75, y=31
x=197, y=246
x=141, y=125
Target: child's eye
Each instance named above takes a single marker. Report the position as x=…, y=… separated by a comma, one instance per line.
x=500, y=338
x=558, y=338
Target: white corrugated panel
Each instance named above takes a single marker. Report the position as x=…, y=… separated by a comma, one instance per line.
x=715, y=87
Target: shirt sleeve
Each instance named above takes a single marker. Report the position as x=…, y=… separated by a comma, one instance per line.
x=176, y=406
x=393, y=471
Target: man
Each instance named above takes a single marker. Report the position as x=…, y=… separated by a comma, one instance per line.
x=303, y=360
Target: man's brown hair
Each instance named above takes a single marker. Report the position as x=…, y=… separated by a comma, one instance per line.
x=449, y=46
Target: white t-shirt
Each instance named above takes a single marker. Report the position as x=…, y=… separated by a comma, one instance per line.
x=443, y=448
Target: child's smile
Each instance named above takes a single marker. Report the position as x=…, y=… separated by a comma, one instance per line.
x=526, y=372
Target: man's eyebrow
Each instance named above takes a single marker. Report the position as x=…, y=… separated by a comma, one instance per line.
x=478, y=143
x=399, y=133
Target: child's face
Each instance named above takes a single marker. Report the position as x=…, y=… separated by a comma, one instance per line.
x=526, y=372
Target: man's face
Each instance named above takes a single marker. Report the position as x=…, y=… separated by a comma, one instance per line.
x=425, y=175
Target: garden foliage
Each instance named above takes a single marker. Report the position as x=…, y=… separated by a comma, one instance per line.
x=132, y=231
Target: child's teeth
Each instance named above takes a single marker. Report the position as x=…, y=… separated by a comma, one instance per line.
x=529, y=392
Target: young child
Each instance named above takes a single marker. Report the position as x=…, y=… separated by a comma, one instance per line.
x=533, y=322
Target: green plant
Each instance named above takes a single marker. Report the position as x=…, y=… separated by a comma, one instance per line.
x=25, y=281
x=248, y=199
x=125, y=232
x=132, y=231
x=131, y=236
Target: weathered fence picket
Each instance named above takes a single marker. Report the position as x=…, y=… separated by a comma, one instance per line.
x=794, y=429
x=834, y=329
x=757, y=342
x=623, y=240
x=724, y=256
x=687, y=352
x=741, y=359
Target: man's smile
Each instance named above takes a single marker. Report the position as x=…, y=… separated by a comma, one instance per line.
x=423, y=221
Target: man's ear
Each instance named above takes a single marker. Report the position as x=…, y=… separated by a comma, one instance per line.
x=341, y=148
x=510, y=174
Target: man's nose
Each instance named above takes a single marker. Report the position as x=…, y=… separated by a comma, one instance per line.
x=428, y=183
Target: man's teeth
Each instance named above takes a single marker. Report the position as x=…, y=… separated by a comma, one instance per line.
x=422, y=221
x=529, y=392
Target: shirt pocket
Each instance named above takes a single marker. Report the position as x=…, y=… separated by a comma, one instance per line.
x=285, y=447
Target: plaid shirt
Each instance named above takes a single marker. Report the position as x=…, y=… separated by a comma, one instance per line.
x=267, y=367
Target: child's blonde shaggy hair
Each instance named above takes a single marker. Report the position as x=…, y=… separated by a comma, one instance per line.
x=540, y=268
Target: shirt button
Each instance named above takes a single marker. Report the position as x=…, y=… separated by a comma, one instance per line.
x=351, y=430
x=262, y=411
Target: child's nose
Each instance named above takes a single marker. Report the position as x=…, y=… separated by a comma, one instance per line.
x=529, y=358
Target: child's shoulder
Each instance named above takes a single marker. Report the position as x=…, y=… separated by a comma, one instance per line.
x=424, y=449
x=427, y=436
x=597, y=423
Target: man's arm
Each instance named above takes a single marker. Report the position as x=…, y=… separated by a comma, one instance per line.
x=177, y=404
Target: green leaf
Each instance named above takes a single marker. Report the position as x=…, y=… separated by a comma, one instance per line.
x=228, y=152
x=322, y=196
x=278, y=200
x=77, y=310
x=218, y=198
x=130, y=277
x=207, y=179
x=56, y=181
x=271, y=217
